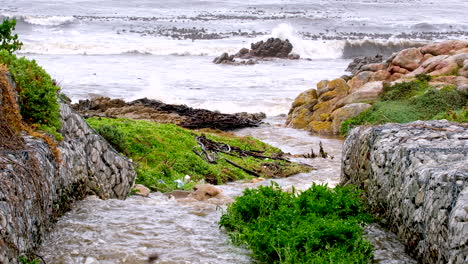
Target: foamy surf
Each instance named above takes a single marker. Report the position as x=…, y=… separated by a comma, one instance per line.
x=41, y=20
x=73, y=44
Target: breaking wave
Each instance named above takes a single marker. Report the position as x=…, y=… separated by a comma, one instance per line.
x=307, y=49
x=43, y=20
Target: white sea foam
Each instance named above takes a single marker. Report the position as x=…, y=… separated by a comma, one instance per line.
x=156, y=48
x=48, y=20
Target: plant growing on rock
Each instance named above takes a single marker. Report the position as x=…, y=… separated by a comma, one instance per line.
x=9, y=41
x=38, y=102
x=411, y=101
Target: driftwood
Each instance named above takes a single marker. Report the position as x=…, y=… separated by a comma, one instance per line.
x=209, y=149
x=322, y=153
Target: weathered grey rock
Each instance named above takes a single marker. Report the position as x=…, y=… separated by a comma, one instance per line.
x=415, y=177
x=36, y=188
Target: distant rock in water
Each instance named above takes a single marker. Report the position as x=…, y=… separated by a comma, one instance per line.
x=272, y=48
x=157, y=111
x=356, y=65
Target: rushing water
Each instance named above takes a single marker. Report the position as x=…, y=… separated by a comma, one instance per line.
x=179, y=231
x=186, y=230
x=163, y=50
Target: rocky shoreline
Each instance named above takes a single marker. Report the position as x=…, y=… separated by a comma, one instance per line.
x=324, y=109
x=157, y=111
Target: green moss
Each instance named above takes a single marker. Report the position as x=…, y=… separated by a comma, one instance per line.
x=411, y=101
x=164, y=153
x=460, y=116
x=320, y=225
x=37, y=93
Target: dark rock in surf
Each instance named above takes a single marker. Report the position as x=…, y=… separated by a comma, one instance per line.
x=272, y=48
x=356, y=65
x=224, y=58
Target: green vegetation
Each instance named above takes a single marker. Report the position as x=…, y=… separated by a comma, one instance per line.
x=165, y=153
x=37, y=93
x=25, y=260
x=9, y=41
x=320, y=225
x=411, y=101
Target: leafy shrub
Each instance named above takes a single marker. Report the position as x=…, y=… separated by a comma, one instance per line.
x=403, y=90
x=411, y=101
x=8, y=41
x=460, y=116
x=113, y=135
x=435, y=101
x=423, y=77
x=382, y=112
x=320, y=225
x=37, y=93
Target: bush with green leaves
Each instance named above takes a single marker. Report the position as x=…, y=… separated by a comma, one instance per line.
x=8, y=40
x=37, y=93
x=113, y=135
x=320, y=225
x=411, y=101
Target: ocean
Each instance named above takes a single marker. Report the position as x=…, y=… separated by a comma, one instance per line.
x=164, y=49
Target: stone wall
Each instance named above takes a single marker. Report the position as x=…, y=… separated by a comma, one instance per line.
x=415, y=177
x=36, y=188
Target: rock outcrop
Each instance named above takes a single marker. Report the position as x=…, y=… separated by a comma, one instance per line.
x=415, y=178
x=445, y=62
x=272, y=48
x=37, y=185
x=153, y=110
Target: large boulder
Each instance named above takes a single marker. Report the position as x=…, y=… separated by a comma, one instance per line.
x=346, y=112
x=359, y=80
x=408, y=58
x=311, y=109
x=415, y=178
x=365, y=94
x=446, y=47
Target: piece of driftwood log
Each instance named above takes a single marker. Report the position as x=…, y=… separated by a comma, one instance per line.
x=208, y=150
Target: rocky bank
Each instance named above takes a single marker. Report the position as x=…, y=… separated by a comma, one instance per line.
x=157, y=111
x=415, y=178
x=322, y=110
x=37, y=185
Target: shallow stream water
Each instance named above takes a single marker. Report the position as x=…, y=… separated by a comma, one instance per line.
x=186, y=230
